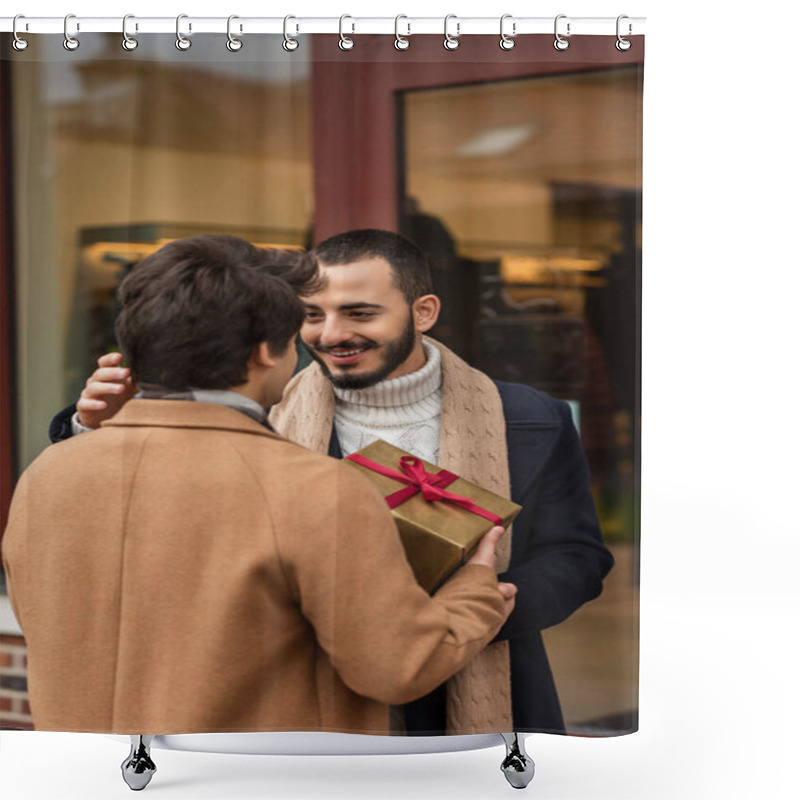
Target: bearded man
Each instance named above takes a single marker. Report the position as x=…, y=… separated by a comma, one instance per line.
x=377, y=376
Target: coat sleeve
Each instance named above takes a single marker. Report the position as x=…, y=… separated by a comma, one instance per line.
x=559, y=559
x=61, y=424
x=386, y=637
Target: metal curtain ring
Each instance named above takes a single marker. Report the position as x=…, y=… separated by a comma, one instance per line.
x=128, y=42
x=451, y=42
x=233, y=44
x=19, y=43
x=181, y=42
x=401, y=42
x=345, y=42
x=560, y=42
x=623, y=44
x=289, y=44
x=70, y=42
x=507, y=42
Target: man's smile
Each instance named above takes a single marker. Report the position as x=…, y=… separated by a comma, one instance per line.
x=345, y=355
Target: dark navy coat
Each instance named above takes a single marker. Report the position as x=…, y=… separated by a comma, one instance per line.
x=558, y=560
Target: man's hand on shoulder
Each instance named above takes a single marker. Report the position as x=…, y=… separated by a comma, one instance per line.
x=108, y=388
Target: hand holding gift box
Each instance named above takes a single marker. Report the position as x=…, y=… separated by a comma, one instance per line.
x=441, y=518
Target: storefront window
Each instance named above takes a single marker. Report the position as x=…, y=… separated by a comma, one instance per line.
x=116, y=153
x=526, y=196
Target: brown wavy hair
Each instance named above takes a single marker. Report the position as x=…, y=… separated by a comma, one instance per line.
x=193, y=311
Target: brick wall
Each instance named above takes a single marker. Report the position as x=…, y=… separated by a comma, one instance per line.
x=14, y=709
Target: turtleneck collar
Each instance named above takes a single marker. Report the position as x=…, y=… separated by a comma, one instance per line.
x=402, y=391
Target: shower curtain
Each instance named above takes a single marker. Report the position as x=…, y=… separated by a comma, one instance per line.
x=515, y=170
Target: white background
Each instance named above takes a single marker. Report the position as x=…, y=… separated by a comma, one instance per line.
x=720, y=555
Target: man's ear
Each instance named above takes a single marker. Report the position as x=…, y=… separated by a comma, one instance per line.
x=260, y=357
x=425, y=311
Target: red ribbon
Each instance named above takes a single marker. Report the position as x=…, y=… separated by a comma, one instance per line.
x=432, y=485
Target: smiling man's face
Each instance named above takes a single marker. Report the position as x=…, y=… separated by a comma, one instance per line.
x=360, y=327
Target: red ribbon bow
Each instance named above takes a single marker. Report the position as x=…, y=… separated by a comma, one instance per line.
x=432, y=485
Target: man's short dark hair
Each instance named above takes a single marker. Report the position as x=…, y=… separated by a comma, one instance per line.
x=411, y=272
x=193, y=311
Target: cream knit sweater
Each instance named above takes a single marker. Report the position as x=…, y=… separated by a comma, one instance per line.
x=405, y=412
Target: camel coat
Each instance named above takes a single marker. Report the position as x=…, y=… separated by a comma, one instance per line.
x=184, y=569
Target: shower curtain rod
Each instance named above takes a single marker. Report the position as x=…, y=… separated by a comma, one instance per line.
x=346, y=25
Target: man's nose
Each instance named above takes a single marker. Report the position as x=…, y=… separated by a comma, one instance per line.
x=334, y=330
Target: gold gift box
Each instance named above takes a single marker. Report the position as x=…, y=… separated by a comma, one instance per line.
x=438, y=536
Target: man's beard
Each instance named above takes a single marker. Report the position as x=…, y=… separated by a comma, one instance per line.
x=395, y=353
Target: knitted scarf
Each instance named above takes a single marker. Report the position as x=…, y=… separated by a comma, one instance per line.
x=473, y=445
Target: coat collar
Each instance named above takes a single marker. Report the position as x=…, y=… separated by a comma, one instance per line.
x=185, y=414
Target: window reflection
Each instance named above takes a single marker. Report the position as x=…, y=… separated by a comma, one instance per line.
x=526, y=196
x=118, y=152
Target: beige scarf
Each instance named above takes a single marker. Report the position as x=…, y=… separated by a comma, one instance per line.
x=473, y=445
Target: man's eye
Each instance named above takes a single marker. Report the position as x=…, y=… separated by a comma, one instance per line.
x=362, y=314
x=312, y=316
